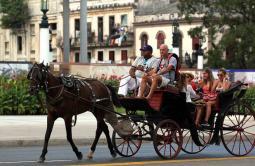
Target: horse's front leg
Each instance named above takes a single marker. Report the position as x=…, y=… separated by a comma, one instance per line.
x=50, y=123
x=68, y=124
x=108, y=138
x=93, y=146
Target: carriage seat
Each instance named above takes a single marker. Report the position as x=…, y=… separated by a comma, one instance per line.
x=157, y=98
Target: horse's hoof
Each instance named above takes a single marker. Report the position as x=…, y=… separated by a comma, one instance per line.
x=41, y=160
x=79, y=156
x=114, y=154
x=90, y=155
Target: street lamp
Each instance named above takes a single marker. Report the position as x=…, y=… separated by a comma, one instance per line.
x=44, y=34
x=176, y=33
x=200, y=55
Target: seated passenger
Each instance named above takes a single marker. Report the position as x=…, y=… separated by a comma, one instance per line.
x=160, y=76
x=185, y=87
x=219, y=85
x=206, y=86
x=141, y=65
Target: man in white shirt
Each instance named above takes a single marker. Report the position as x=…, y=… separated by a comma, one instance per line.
x=141, y=65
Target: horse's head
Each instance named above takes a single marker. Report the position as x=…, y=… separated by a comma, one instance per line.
x=37, y=76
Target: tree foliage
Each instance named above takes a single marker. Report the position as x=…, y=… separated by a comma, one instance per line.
x=15, y=14
x=234, y=20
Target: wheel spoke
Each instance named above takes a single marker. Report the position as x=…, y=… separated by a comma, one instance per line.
x=231, y=139
x=247, y=138
x=134, y=143
x=187, y=143
x=246, y=121
x=243, y=143
x=231, y=121
x=249, y=133
x=229, y=132
x=129, y=146
x=234, y=142
x=249, y=126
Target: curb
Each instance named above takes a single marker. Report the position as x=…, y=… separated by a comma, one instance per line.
x=25, y=143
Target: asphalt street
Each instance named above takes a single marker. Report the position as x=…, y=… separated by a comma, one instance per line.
x=63, y=155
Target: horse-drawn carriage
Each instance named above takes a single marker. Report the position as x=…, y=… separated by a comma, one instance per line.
x=167, y=120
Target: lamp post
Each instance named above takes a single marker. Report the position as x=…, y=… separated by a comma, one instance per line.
x=200, y=55
x=44, y=34
x=176, y=33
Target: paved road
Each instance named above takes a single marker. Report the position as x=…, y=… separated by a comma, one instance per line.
x=63, y=155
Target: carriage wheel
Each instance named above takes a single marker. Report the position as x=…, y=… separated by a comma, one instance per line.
x=167, y=139
x=188, y=144
x=129, y=145
x=238, y=129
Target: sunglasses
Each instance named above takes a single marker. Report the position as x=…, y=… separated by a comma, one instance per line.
x=219, y=75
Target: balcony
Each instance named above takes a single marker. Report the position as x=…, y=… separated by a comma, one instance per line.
x=93, y=42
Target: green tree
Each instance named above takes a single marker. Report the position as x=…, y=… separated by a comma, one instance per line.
x=15, y=14
x=234, y=20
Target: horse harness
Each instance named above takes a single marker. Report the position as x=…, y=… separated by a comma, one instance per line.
x=69, y=82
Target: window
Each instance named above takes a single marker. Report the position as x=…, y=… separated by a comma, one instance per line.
x=124, y=20
x=144, y=40
x=195, y=43
x=111, y=24
x=160, y=38
x=100, y=56
x=19, y=44
x=89, y=57
x=112, y=56
x=32, y=29
x=6, y=47
x=77, y=24
x=124, y=56
x=100, y=29
x=77, y=57
x=77, y=28
x=53, y=26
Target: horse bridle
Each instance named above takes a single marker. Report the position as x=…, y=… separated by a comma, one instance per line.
x=41, y=81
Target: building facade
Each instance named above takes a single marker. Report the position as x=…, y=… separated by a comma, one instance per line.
x=102, y=18
x=154, y=25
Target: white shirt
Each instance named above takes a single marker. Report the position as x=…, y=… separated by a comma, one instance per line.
x=151, y=63
x=164, y=63
x=190, y=93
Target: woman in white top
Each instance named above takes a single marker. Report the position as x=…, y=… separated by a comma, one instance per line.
x=185, y=87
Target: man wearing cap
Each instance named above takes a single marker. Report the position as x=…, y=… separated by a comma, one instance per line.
x=141, y=65
x=162, y=75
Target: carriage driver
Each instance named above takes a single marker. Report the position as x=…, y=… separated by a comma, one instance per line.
x=141, y=65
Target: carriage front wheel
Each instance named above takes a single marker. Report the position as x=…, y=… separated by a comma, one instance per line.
x=167, y=139
x=128, y=146
x=238, y=129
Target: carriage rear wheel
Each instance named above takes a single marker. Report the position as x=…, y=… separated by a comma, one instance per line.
x=238, y=129
x=167, y=139
x=189, y=145
x=128, y=146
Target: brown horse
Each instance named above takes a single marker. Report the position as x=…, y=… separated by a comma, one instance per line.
x=65, y=102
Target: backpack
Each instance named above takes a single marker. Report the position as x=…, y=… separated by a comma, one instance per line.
x=178, y=65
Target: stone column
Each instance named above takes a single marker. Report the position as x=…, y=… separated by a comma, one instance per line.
x=66, y=30
x=83, y=32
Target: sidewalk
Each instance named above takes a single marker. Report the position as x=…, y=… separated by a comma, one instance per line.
x=30, y=130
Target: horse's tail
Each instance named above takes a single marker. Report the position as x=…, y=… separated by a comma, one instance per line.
x=115, y=98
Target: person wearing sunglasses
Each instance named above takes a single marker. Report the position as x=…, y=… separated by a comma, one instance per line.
x=222, y=83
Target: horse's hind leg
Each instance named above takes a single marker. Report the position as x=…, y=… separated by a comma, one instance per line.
x=50, y=122
x=68, y=123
